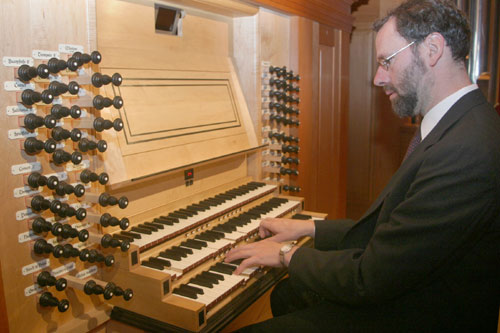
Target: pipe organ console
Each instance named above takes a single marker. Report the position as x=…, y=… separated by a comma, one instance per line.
x=130, y=171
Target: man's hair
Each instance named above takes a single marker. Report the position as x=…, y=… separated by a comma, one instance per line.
x=416, y=19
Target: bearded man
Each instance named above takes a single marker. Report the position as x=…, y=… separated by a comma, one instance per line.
x=425, y=257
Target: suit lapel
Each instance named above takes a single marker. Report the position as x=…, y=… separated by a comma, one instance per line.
x=454, y=114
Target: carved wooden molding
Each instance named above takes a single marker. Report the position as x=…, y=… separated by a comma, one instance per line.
x=333, y=13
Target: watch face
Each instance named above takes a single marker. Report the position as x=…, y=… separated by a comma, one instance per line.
x=287, y=247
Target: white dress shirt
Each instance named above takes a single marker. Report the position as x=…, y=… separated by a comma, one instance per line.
x=439, y=110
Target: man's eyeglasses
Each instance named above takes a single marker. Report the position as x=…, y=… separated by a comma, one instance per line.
x=385, y=62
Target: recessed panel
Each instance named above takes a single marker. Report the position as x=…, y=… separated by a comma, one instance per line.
x=157, y=109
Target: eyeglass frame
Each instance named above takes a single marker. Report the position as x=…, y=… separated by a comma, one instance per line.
x=385, y=62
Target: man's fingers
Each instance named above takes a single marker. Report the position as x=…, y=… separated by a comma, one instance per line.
x=239, y=252
x=264, y=232
x=250, y=262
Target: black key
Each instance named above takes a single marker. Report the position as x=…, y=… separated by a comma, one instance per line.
x=257, y=184
x=197, y=242
x=189, y=211
x=170, y=218
x=204, y=279
x=217, y=234
x=227, y=266
x=131, y=234
x=236, y=222
x=192, y=288
x=145, y=226
x=221, y=269
x=123, y=238
x=198, y=207
x=162, y=221
x=181, y=212
x=205, y=237
x=184, y=292
x=261, y=210
x=279, y=200
x=156, y=225
x=212, y=275
x=301, y=217
x=160, y=261
x=226, y=196
x=201, y=282
x=178, y=215
x=192, y=246
x=142, y=230
x=170, y=255
x=184, y=250
x=210, y=202
x=224, y=228
x=154, y=265
x=253, y=216
x=177, y=252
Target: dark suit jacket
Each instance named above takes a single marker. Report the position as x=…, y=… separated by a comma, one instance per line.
x=426, y=255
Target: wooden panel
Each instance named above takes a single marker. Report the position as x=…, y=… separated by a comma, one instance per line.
x=4, y=324
x=246, y=42
x=181, y=94
x=224, y=7
x=305, y=38
x=341, y=116
x=131, y=41
x=332, y=131
x=326, y=163
x=360, y=124
x=326, y=36
x=275, y=38
x=333, y=13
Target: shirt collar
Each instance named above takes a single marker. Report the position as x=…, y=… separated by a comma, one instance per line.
x=439, y=110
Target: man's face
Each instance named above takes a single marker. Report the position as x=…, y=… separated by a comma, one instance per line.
x=402, y=80
x=405, y=96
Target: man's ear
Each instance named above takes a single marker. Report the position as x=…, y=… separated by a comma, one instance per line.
x=435, y=44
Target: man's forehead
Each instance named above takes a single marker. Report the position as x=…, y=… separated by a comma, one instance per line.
x=387, y=37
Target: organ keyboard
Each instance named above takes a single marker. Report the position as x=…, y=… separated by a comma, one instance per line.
x=184, y=249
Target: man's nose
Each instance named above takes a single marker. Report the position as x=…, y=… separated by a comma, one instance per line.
x=381, y=77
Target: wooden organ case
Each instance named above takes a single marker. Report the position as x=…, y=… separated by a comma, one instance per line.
x=181, y=155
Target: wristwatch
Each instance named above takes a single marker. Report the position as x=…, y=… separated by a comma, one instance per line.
x=284, y=250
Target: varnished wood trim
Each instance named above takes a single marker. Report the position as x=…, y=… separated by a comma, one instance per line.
x=334, y=13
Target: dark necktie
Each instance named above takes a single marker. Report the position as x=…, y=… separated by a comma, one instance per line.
x=413, y=143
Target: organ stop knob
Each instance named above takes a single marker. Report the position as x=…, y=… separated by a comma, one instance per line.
x=35, y=179
x=68, y=211
x=33, y=145
x=60, y=111
x=46, y=279
x=39, y=203
x=46, y=299
x=87, y=176
x=33, y=121
x=30, y=97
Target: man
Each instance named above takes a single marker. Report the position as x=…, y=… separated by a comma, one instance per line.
x=426, y=256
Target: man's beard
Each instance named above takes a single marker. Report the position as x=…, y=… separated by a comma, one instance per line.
x=409, y=99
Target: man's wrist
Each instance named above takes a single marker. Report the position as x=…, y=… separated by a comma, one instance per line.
x=285, y=248
x=289, y=255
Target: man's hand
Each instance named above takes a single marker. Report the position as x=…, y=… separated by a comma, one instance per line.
x=265, y=253
x=283, y=230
